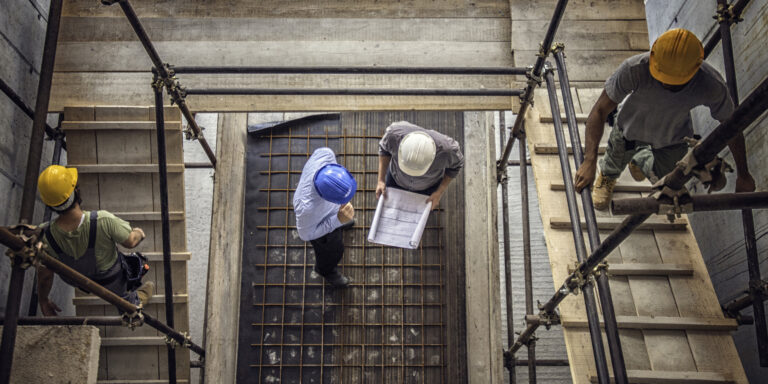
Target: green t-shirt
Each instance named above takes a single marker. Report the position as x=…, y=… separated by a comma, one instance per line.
x=110, y=230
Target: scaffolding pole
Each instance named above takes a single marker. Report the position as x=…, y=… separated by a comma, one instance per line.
x=162, y=165
x=133, y=313
x=534, y=80
x=353, y=91
x=16, y=99
x=527, y=269
x=738, y=8
x=175, y=90
x=598, y=350
x=509, y=360
x=16, y=285
x=603, y=285
x=693, y=203
x=752, y=108
x=373, y=70
x=727, y=16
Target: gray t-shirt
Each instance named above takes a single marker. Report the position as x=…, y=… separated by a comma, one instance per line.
x=651, y=114
x=448, y=159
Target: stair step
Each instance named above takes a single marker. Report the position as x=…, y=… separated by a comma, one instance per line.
x=144, y=381
x=116, y=125
x=580, y=118
x=126, y=168
x=148, y=216
x=551, y=149
x=610, y=223
x=642, y=188
x=156, y=299
x=175, y=256
x=661, y=323
x=647, y=269
x=672, y=377
x=132, y=341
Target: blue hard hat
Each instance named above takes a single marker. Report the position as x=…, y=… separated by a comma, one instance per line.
x=335, y=184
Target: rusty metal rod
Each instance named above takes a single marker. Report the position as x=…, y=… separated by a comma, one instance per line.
x=16, y=285
x=175, y=91
x=509, y=362
x=603, y=286
x=353, y=91
x=700, y=203
x=14, y=243
x=354, y=70
x=709, y=46
x=526, y=227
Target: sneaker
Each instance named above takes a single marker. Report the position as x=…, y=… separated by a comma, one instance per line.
x=603, y=192
x=145, y=292
x=636, y=172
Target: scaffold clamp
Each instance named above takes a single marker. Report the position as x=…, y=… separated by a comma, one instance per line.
x=672, y=203
x=173, y=343
x=558, y=47
x=578, y=279
x=725, y=13
x=28, y=255
x=133, y=320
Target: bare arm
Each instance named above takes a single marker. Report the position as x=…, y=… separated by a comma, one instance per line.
x=594, y=132
x=44, y=284
x=381, y=185
x=438, y=193
x=134, y=239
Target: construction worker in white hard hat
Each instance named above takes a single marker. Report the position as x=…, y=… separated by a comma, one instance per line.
x=425, y=161
x=653, y=94
x=86, y=242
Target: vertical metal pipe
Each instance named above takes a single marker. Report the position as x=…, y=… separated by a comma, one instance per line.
x=16, y=286
x=603, y=286
x=748, y=222
x=163, y=176
x=507, y=263
x=578, y=236
x=528, y=271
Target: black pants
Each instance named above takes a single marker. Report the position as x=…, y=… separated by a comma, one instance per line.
x=328, y=251
x=390, y=182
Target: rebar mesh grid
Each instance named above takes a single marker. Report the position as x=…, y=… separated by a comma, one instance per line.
x=389, y=325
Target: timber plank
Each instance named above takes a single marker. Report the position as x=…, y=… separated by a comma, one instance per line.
x=116, y=125
x=620, y=35
x=673, y=377
x=587, y=65
x=563, y=222
x=550, y=149
x=661, y=323
x=156, y=299
x=578, y=10
x=580, y=117
x=647, y=269
x=149, y=216
x=643, y=188
x=125, y=168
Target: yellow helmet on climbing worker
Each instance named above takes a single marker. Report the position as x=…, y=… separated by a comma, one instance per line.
x=676, y=56
x=57, y=187
x=416, y=153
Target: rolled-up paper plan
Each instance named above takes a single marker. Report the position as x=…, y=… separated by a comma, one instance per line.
x=375, y=223
x=416, y=237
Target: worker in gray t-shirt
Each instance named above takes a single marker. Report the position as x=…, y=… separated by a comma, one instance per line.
x=425, y=161
x=654, y=93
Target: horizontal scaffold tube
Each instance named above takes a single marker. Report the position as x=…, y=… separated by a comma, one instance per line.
x=70, y=320
x=717, y=202
x=355, y=70
x=13, y=242
x=358, y=91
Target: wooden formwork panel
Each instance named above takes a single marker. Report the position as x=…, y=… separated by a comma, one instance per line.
x=671, y=325
x=115, y=149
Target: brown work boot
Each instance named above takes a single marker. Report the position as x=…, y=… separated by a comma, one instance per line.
x=145, y=292
x=603, y=192
x=636, y=172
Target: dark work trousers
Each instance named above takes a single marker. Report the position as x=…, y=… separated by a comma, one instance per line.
x=328, y=251
x=390, y=181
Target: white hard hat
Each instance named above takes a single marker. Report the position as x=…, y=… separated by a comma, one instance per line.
x=416, y=153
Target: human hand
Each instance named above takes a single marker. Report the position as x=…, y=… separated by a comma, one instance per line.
x=381, y=189
x=346, y=213
x=141, y=232
x=435, y=199
x=745, y=183
x=49, y=308
x=585, y=175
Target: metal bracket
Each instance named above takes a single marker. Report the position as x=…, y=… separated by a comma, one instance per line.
x=190, y=134
x=509, y=360
x=558, y=47
x=133, y=320
x=501, y=175
x=681, y=201
x=725, y=13
x=27, y=256
x=711, y=174
x=601, y=269
x=578, y=280
x=543, y=52
x=547, y=319
x=173, y=343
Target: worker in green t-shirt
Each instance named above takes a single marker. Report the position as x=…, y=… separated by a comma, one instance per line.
x=86, y=242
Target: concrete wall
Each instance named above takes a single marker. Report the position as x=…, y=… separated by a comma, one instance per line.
x=22, y=31
x=720, y=234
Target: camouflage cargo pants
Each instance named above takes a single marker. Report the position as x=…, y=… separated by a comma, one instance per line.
x=654, y=162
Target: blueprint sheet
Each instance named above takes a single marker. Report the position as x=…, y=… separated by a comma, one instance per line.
x=400, y=219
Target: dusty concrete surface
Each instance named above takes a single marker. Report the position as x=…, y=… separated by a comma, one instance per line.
x=56, y=354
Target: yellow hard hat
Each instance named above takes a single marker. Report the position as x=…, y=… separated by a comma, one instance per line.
x=676, y=56
x=56, y=185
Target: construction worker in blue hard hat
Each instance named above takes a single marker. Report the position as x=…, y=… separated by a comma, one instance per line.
x=654, y=93
x=86, y=242
x=425, y=161
x=322, y=208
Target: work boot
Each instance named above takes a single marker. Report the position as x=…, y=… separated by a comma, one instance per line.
x=334, y=278
x=636, y=172
x=145, y=292
x=603, y=191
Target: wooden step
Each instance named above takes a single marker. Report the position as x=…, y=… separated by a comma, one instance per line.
x=610, y=223
x=580, y=118
x=145, y=381
x=132, y=341
x=661, y=323
x=116, y=125
x=551, y=149
x=641, y=188
x=672, y=377
x=156, y=299
x=175, y=256
x=125, y=168
x=647, y=269
x=148, y=216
